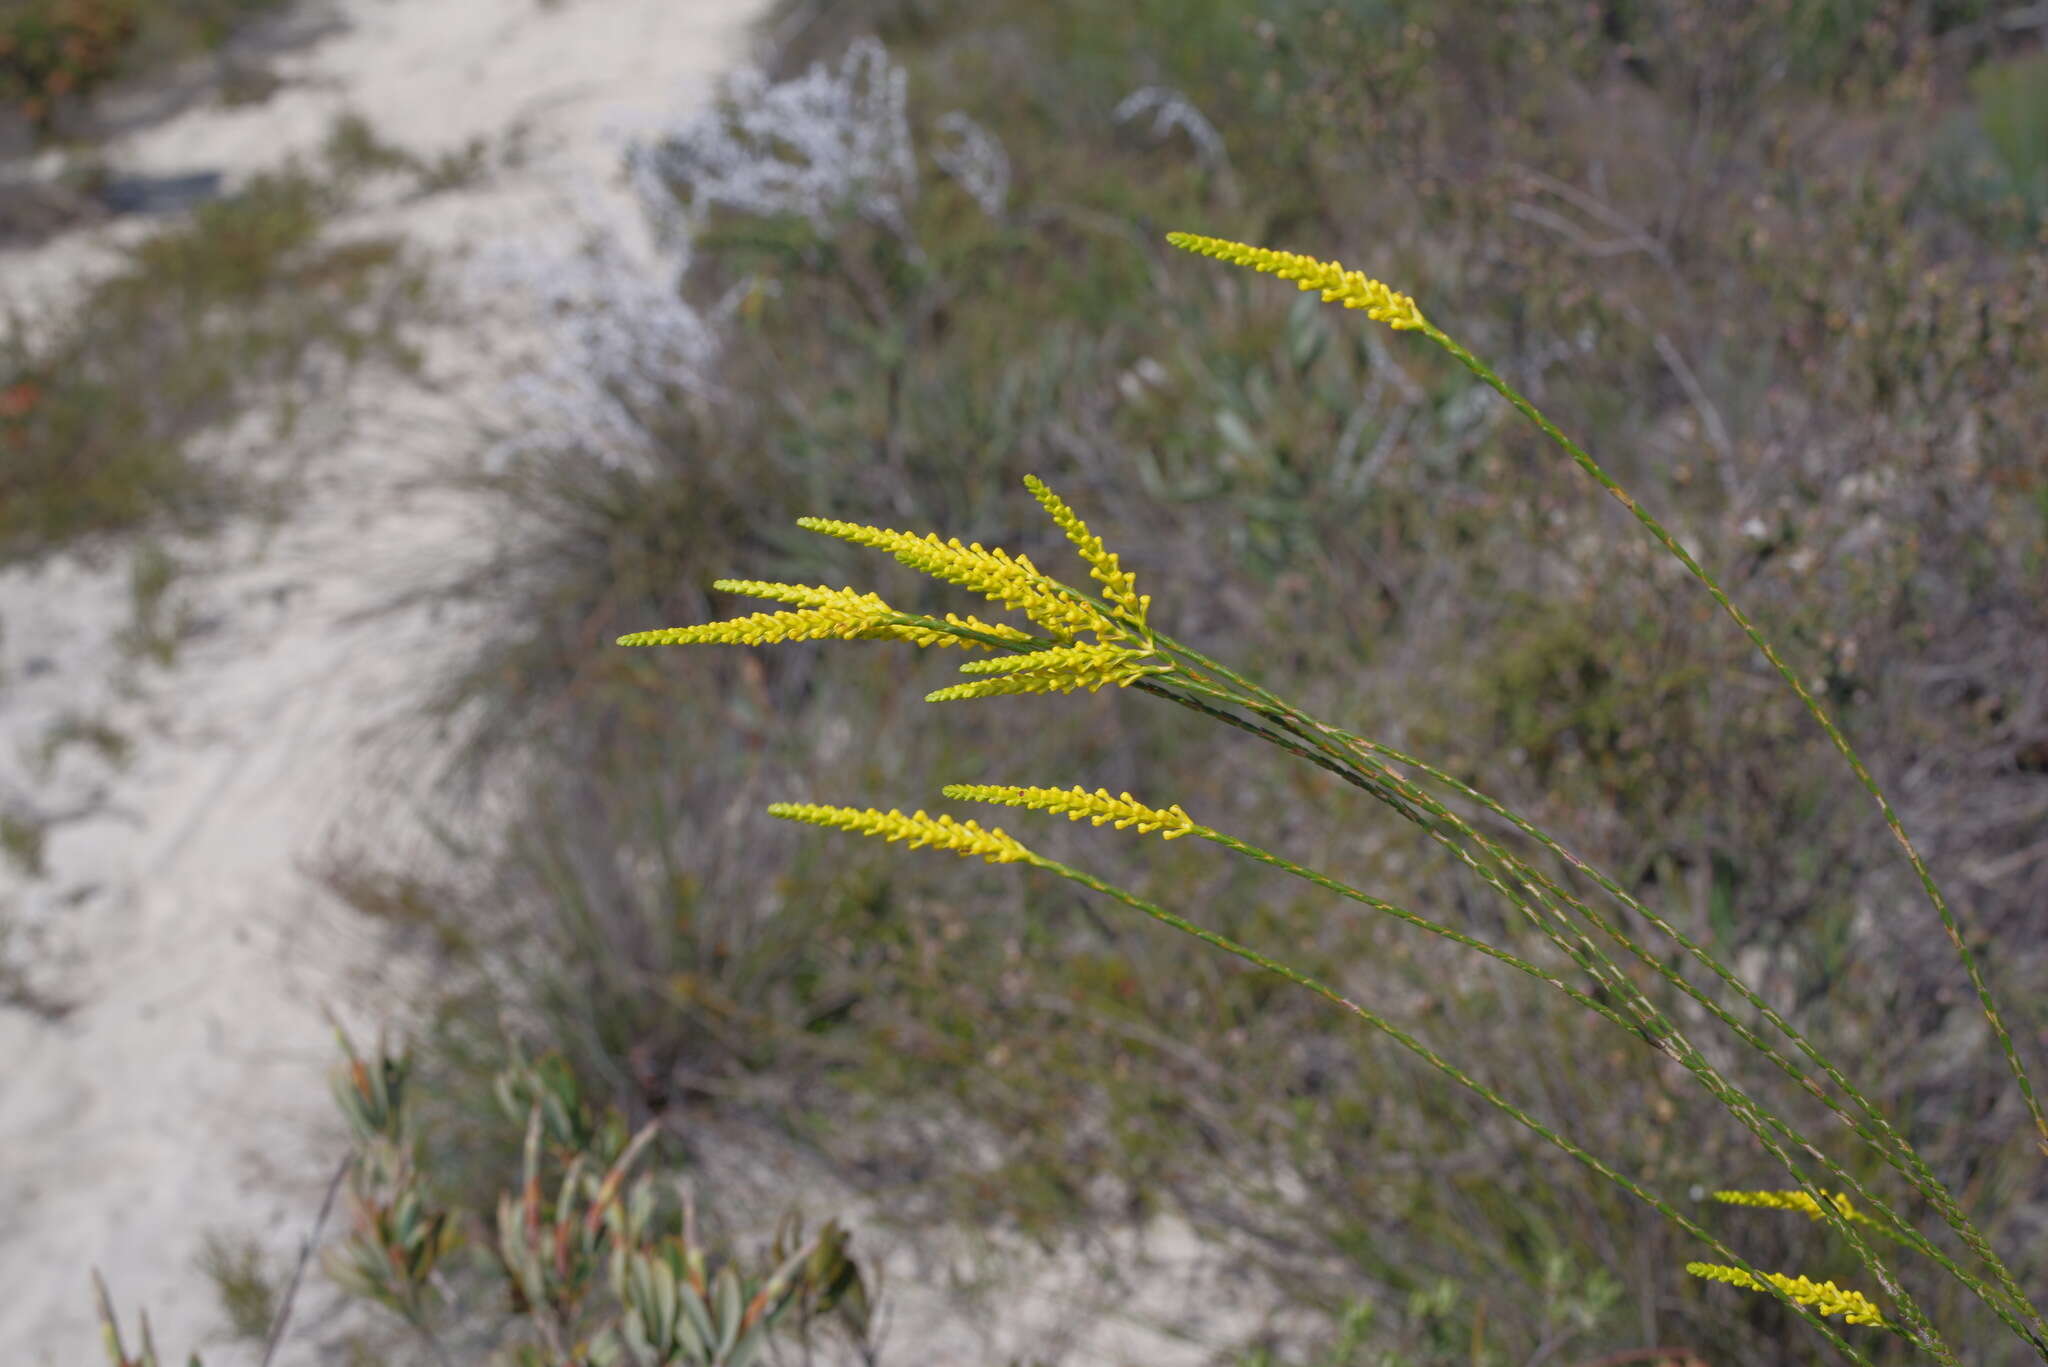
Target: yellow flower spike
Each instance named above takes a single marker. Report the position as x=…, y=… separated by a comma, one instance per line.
x=1825, y=1297
x=1091, y=662
x=1353, y=289
x=838, y=621
x=995, y=574
x=825, y=614
x=1118, y=585
x=939, y=832
x=996, y=688
x=1010, y=684
x=1077, y=803
x=796, y=595
x=807, y=595
x=1794, y=1200
x=1061, y=669
x=926, y=636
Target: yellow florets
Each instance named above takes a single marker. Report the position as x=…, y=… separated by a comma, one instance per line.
x=939, y=832
x=1078, y=803
x=828, y=614
x=1060, y=669
x=1012, y=581
x=1123, y=652
x=808, y=596
x=822, y=615
x=1825, y=1297
x=1118, y=585
x=1352, y=289
x=1794, y=1200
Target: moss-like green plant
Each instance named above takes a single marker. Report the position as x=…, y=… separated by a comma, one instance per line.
x=1051, y=654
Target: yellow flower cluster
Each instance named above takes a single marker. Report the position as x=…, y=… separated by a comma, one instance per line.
x=1825, y=1297
x=1119, y=586
x=1122, y=653
x=811, y=596
x=939, y=832
x=1352, y=289
x=828, y=614
x=1013, y=582
x=1794, y=1200
x=1061, y=668
x=1098, y=806
x=824, y=614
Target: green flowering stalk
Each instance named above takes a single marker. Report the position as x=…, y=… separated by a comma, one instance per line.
x=1052, y=655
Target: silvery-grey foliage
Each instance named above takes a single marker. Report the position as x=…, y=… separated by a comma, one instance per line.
x=822, y=143
x=975, y=159
x=1170, y=110
x=619, y=334
x=618, y=337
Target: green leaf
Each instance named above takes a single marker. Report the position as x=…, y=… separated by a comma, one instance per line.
x=667, y=1304
x=697, y=1317
x=727, y=1289
x=748, y=1348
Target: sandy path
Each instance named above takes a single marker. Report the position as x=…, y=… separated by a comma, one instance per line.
x=187, y=1090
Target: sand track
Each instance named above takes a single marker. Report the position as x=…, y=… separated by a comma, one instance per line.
x=187, y=1089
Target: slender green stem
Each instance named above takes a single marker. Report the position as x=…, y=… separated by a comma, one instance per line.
x=1952, y=1214
x=1283, y=715
x=1450, y=1070
x=1382, y=785
x=1906, y=1235
x=1921, y=1176
x=1923, y=1181
x=1655, y=1031
x=1745, y=1108
x=1666, y=1036
x=1884, y=806
x=1263, y=856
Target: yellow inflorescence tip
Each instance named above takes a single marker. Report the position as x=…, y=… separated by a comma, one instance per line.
x=1352, y=289
x=994, y=573
x=822, y=614
x=1057, y=669
x=939, y=832
x=1794, y=1200
x=1826, y=1297
x=1089, y=665
x=1078, y=804
x=1118, y=584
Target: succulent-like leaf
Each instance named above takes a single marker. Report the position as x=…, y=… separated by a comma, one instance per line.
x=699, y=1319
x=727, y=1291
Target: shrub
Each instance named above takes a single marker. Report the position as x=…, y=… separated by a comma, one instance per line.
x=592, y=1274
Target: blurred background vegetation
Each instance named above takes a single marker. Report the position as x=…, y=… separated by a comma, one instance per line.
x=56, y=54
x=1782, y=268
